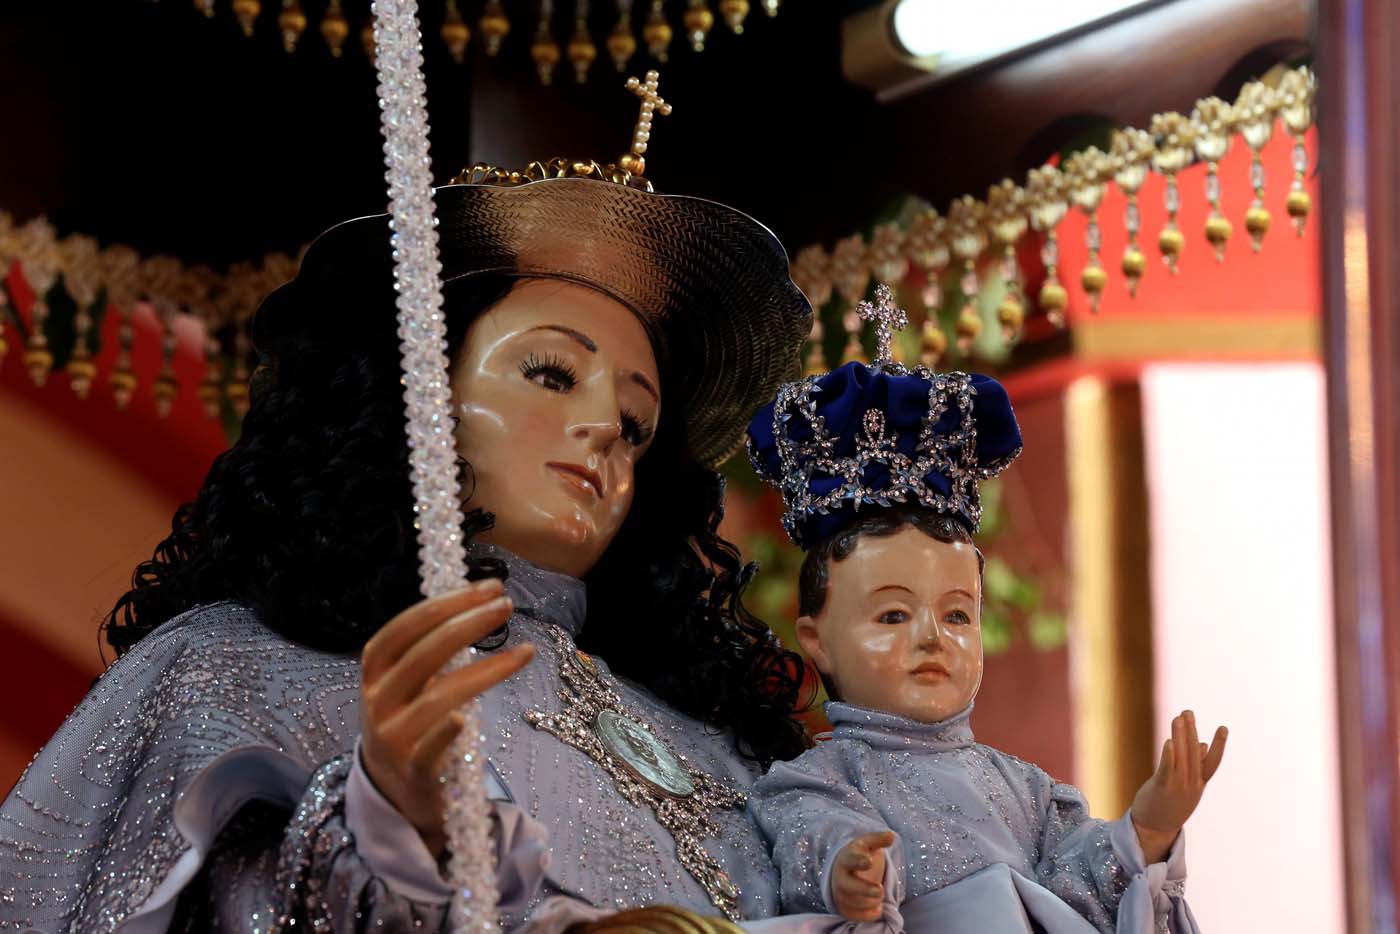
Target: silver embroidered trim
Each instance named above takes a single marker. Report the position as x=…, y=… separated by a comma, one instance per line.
x=309, y=840
x=686, y=818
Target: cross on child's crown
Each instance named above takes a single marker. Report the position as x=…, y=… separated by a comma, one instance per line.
x=887, y=318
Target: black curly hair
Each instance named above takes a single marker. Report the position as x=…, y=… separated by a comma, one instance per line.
x=308, y=519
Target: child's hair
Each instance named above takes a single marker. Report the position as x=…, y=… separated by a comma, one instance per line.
x=812, y=580
x=814, y=577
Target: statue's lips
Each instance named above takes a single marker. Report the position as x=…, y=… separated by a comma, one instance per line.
x=580, y=478
x=930, y=672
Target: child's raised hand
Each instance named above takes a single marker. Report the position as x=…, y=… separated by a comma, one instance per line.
x=1168, y=798
x=858, y=877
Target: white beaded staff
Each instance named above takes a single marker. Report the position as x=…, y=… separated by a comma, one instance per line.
x=432, y=454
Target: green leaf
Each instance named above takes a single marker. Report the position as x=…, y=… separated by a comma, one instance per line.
x=739, y=474
x=998, y=579
x=1048, y=631
x=996, y=632
x=993, y=515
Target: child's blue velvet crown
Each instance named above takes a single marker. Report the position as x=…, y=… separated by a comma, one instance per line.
x=864, y=437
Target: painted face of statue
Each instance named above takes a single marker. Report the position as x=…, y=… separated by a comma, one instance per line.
x=901, y=627
x=557, y=392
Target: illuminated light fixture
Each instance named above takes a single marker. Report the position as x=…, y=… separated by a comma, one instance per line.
x=897, y=46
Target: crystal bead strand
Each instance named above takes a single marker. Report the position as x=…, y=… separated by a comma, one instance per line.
x=432, y=455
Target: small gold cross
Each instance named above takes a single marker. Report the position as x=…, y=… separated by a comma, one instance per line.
x=887, y=317
x=652, y=103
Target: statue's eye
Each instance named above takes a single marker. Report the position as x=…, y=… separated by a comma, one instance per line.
x=552, y=372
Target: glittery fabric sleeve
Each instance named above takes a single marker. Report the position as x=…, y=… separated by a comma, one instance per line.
x=1097, y=868
x=324, y=884
x=163, y=801
x=116, y=814
x=807, y=810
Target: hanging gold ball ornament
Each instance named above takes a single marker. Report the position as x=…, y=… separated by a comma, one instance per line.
x=771, y=7
x=292, y=23
x=582, y=51
x=1054, y=299
x=1256, y=221
x=246, y=12
x=123, y=385
x=657, y=34
x=236, y=391
x=1134, y=265
x=494, y=26
x=969, y=328
x=455, y=32
x=1170, y=242
x=1012, y=315
x=165, y=389
x=206, y=7
x=38, y=360
x=1093, y=279
x=1218, y=231
x=698, y=23
x=544, y=52
x=1299, y=204
x=334, y=28
x=81, y=372
x=734, y=13
x=209, y=395
x=622, y=44
x=933, y=344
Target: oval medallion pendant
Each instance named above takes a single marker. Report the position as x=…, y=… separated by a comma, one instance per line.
x=684, y=800
x=643, y=754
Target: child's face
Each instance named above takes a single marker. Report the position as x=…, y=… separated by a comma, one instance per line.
x=901, y=629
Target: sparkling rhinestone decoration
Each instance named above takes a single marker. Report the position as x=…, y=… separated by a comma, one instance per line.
x=953, y=454
x=432, y=454
x=687, y=818
x=888, y=318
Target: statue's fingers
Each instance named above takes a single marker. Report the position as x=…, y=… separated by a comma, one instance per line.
x=397, y=636
x=878, y=840
x=426, y=756
x=1164, y=764
x=1193, y=755
x=853, y=859
x=1180, y=750
x=1215, y=754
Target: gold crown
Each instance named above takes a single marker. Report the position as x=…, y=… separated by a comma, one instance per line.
x=627, y=170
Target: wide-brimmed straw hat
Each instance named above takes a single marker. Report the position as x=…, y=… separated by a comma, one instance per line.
x=710, y=284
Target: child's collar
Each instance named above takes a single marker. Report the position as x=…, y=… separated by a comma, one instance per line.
x=881, y=730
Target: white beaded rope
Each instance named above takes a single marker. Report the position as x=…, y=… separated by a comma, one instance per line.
x=432, y=453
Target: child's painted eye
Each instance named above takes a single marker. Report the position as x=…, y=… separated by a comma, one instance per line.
x=894, y=617
x=958, y=618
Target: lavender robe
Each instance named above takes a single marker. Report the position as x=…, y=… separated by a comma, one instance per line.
x=985, y=841
x=209, y=781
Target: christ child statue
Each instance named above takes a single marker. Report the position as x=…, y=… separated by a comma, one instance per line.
x=901, y=820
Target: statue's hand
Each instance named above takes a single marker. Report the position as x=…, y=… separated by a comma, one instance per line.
x=409, y=706
x=858, y=877
x=1169, y=797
